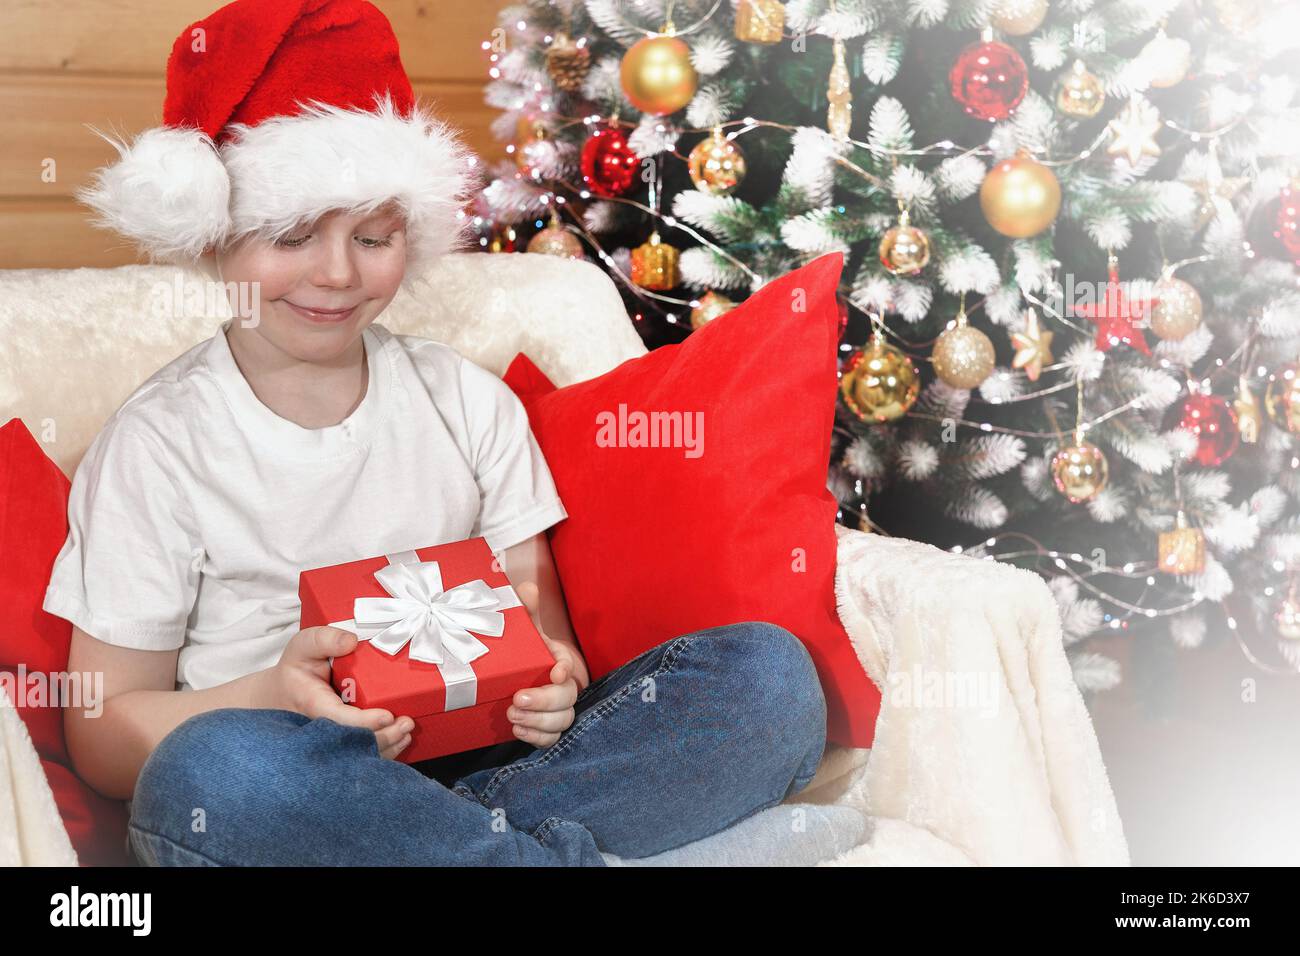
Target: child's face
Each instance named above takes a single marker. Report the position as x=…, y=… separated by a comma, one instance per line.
x=343, y=261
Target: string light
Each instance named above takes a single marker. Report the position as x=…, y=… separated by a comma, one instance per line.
x=1063, y=562
x=1023, y=433
x=1247, y=652
x=1031, y=396
x=668, y=18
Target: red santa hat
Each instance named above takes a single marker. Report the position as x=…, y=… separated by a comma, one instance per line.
x=276, y=112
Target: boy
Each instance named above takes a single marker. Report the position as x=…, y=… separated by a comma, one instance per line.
x=310, y=435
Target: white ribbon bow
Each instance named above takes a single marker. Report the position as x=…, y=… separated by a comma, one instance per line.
x=435, y=622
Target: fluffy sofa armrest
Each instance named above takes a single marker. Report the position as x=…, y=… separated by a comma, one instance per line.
x=983, y=738
x=31, y=831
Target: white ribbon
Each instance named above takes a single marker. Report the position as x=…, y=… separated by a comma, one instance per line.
x=435, y=622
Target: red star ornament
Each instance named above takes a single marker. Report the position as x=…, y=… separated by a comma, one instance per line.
x=1117, y=316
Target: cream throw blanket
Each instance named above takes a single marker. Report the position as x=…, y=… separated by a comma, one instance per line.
x=1010, y=774
x=31, y=831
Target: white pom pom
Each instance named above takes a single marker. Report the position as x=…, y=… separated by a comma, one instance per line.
x=917, y=460
x=169, y=192
x=1187, y=630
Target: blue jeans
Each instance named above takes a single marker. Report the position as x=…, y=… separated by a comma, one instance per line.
x=677, y=744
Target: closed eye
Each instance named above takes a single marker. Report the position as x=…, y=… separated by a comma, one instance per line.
x=367, y=242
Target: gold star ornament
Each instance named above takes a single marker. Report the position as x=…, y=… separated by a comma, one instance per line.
x=1133, y=131
x=1033, y=346
x=1214, y=190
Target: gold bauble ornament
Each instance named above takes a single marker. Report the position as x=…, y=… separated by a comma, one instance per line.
x=1167, y=59
x=657, y=75
x=880, y=383
x=1181, y=550
x=568, y=62
x=537, y=155
x=1133, y=131
x=1019, y=17
x=1249, y=414
x=711, y=306
x=963, y=356
x=1020, y=197
x=716, y=164
x=1079, y=93
x=1282, y=397
x=904, y=249
x=527, y=131
x=555, y=240
x=1177, y=313
x=1079, y=470
x=654, y=264
x=760, y=21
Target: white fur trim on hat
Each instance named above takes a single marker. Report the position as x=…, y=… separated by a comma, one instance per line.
x=169, y=192
x=286, y=171
x=289, y=170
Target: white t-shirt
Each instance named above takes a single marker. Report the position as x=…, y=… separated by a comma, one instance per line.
x=196, y=506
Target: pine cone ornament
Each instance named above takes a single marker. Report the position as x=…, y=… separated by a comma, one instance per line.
x=567, y=62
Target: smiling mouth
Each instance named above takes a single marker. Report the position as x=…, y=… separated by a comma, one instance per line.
x=320, y=315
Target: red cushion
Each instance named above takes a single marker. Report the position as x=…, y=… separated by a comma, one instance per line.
x=661, y=541
x=96, y=824
x=33, y=526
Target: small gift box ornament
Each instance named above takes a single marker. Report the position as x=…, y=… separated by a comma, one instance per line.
x=443, y=638
x=760, y=21
x=1181, y=550
x=655, y=264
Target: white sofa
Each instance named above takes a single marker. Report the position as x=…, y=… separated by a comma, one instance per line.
x=1016, y=780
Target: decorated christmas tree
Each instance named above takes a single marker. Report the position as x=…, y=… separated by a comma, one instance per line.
x=1071, y=308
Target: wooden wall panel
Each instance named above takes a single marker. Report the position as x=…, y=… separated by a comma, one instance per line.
x=67, y=66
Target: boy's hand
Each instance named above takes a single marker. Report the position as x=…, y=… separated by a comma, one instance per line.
x=541, y=714
x=301, y=682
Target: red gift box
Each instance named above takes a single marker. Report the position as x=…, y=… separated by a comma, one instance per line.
x=480, y=690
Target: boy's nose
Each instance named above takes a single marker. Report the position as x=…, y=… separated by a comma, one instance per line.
x=333, y=266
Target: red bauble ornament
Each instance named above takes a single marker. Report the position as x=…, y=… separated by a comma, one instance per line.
x=989, y=80
x=608, y=163
x=1287, y=224
x=844, y=316
x=1116, y=314
x=1214, y=423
